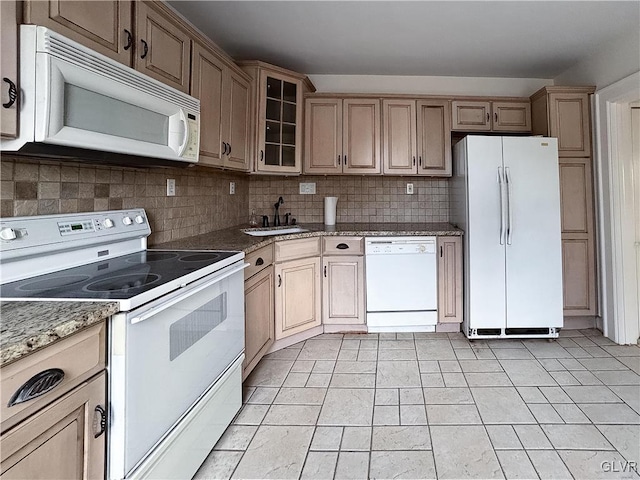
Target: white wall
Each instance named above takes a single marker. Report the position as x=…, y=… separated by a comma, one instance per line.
x=423, y=85
x=613, y=61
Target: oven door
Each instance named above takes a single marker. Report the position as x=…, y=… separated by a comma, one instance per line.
x=165, y=356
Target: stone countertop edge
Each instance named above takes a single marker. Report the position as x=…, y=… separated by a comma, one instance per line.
x=26, y=327
x=234, y=238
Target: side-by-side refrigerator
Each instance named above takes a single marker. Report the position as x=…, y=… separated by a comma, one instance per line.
x=505, y=195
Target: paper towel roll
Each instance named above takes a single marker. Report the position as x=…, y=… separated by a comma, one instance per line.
x=330, y=210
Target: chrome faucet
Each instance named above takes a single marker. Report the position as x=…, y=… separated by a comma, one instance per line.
x=276, y=217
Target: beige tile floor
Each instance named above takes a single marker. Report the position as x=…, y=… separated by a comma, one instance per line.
x=437, y=406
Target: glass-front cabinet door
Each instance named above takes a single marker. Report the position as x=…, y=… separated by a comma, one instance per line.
x=279, y=124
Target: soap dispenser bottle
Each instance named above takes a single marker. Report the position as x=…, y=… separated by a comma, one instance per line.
x=253, y=219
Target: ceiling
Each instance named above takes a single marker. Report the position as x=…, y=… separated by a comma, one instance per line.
x=514, y=39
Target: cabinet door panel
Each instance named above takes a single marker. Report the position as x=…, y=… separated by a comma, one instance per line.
x=569, y=123
x=99, y=25
x=361, y=136
x=58, y=441
x=206, y=85
x=297, y=296
x=323, y=135
x=511, y=117
x=575, y=185
x=259, y=318
x=471, y=116
x=238, y=121
x=343, y=290
x=9, y=67
x=450, y=279
x=434, y=138
x=578, y=277
x=399, y=137
x=167, y=55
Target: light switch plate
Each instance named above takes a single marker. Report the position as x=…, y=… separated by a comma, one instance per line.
x=409, y=188
x=171, y=187
x=308, y=188
x=232, y=188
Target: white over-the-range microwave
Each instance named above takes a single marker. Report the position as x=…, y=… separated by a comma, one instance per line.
x=77, y=102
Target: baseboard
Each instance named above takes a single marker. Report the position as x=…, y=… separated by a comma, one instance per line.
x=448, y=327
x=580, y=323
x=340, y=328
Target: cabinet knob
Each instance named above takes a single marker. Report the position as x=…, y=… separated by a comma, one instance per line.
x=129, y=39
x=145, y=49
x=37, y=386
x=420, y=160
x=414, y=161
x=345, y=160
x=495, y=116
x=342, y=246
x=338, y=159
x=259, y=261
x=13, y=93
x=262, y=155
x=488, y=117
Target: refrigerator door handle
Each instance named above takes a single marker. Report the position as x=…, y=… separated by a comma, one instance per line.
x=509, y=215
x=502, y=216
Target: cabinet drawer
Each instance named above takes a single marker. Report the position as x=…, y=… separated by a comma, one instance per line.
x=79, y=356
x=258, y=260
x=342, y=246
x=300, y=248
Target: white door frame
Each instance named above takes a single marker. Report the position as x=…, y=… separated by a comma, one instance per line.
x=615, y=207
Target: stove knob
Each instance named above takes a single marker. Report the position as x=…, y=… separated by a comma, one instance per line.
x=8, y=234
x=127, y=220
x=108, y=223
x=139, y=219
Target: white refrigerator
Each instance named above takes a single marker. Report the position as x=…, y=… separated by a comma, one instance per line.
x=505, y=195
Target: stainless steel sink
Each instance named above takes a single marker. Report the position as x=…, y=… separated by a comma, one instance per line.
x=265, y=232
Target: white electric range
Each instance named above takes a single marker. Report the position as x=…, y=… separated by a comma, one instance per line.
x=176, y=346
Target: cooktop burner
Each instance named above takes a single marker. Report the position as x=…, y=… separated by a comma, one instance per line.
x=117, y=278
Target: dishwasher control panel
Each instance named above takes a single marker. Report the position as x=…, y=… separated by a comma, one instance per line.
x=400, y=245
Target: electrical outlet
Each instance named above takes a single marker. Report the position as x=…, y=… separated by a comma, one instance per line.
x=409, y=188
x=308, y=188
x=232, y=188
x=171, y=187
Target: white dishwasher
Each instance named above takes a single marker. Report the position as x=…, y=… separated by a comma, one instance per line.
x=402, y=289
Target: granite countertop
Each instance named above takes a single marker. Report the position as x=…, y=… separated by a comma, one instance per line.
x=29, y=326
x=235, y=239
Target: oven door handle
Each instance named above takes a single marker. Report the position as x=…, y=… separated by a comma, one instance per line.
x=163, y=306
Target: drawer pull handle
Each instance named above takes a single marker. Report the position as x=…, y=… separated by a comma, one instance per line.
x=129, y=39
x=145, y=49
x=37, y=385
x=259, y=261
x=279, y=281
x=325, y=271
x=99, y=420
x=342, y=246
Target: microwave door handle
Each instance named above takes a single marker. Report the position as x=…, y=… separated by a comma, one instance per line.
x=178, y=298
x=185, y=137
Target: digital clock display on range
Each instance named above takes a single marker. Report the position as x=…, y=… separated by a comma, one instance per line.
x=77, y=226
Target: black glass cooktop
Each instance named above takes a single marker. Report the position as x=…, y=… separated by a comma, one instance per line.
x=117, y=278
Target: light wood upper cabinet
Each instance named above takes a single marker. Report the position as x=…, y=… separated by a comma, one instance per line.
x=399, y=137
x=259, y=317
x=224, y=110
x=323, y=135
x=9, y=69
x=570, y=123
x=163, y=46
x=361, y=136
x=297, y=296
x=277, y=109
x=450, y=279
x=60, y=440
x=342, y=136
x=343, y=290
x=491, y=116
x=434, y=137
x=103, y=26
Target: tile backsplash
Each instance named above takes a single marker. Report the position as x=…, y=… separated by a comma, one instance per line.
x=360, y=199
x=202, y=202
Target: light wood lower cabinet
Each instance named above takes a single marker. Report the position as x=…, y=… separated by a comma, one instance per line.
x=343, y=290
x=59, y=441
x=450, y=279
x=259, y=318
x=297, y=296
